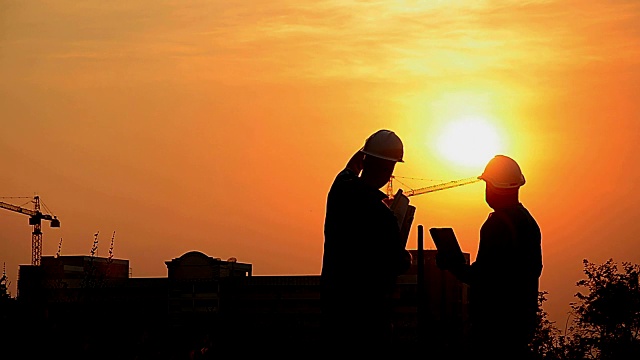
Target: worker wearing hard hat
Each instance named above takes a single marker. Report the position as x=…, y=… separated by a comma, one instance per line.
x=504, y=278
x=363, y=251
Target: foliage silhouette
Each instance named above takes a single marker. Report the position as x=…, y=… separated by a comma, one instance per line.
x=605, y=320
x=546, y=341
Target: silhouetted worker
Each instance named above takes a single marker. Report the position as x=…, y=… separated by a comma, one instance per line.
x=363, y=251
x=504, y=278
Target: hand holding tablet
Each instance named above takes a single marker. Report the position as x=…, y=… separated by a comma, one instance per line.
x=449, y=251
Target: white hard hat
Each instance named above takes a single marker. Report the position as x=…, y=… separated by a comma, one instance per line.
x=384, y=144
x=503, y=173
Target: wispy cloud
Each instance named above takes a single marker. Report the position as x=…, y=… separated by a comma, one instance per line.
x=384, y=40
x=394, y=39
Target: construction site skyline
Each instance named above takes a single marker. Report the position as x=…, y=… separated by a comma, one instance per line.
x=219, y=126
x=36, y=215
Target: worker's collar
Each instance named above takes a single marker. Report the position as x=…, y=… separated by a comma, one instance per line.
x=505, y=206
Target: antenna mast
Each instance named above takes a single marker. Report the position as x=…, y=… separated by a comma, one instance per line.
x=59, y=248
x=111, y=247
x=94, y=247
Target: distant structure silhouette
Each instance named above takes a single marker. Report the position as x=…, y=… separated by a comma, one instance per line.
x=504, y=278
x=361, y=231
x=201, y=294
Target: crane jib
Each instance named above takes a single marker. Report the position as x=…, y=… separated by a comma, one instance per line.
x=432, y=188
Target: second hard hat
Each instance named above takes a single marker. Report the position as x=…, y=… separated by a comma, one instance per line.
x=384, y=144
x=503, y=173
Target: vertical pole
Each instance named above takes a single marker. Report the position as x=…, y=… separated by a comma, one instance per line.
x=420, y=285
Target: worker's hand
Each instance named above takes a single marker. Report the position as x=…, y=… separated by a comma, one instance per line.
x=355, y=163
x=387, y=201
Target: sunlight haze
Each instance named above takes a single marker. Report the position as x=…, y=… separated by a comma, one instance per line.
x=469, y=142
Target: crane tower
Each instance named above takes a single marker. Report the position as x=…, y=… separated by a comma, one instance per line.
x=35, y=220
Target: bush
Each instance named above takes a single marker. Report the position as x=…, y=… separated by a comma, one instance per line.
x=606, y=317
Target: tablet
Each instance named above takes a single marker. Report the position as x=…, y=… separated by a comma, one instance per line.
x=447, y=244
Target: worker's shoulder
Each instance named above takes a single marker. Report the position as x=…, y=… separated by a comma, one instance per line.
x=494, y=219
x=499, y=219
x=516, y=219
x=346, y=183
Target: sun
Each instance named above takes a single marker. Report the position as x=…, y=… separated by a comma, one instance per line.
x=469, y=142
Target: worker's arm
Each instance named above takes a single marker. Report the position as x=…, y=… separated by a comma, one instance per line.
x=491, y=258
x=355, y=163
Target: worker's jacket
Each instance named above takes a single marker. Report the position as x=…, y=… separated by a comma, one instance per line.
x=363, y=251
x=504, y=278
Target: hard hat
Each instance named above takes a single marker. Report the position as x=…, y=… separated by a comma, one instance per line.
x=384, y=144
x=503, y=173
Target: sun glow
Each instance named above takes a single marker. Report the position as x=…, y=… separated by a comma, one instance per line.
x=469, y=142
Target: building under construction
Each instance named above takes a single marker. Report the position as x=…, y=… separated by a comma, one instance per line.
x=94, y=302
x=91, y=307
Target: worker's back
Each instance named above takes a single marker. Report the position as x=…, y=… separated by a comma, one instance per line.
x=504, y=294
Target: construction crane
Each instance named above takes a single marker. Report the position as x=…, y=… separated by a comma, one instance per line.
x=35, y=220
x=436, y=187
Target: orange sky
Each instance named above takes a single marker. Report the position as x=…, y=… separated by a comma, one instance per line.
x=219, y=125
